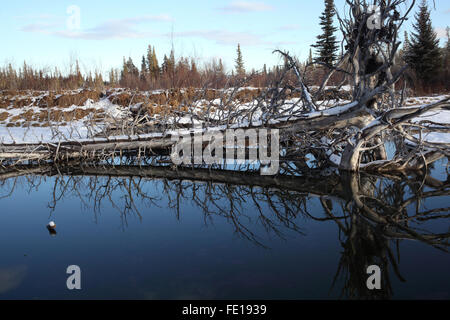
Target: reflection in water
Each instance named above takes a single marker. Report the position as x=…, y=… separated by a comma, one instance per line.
x=11, y=278
x=372, y=213
x=52, y=231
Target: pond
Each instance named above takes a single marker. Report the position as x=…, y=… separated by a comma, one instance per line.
x=159, y=233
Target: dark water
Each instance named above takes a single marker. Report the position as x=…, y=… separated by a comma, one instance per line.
x=227, y=238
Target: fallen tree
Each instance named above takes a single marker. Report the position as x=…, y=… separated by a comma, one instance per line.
x=349, y=135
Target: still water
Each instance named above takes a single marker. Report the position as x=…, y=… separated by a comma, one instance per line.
x=141, y=233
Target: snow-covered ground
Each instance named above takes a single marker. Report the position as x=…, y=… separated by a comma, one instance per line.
x=15, y=128
x=433, y=118
x=33, y=131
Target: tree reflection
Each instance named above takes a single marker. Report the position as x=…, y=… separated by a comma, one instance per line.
x=373, y=213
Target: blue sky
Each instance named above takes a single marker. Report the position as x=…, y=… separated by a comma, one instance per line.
x=38, y=32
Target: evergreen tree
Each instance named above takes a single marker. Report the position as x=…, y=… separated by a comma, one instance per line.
x=406, y=42
x=423, y=54
x=112, y=78
x=447, y=58
x=165, y=64
x=132, y=69
x=155, y=65
x=125, y=70
x=240, y=70
x=221, y=69
x=171, y=64
x=98, y=82
x=150, y=60
x=80, y=80
x=310, y=58
x=448, y=38
x=326, y=45
x=447, y=49
x=143, y=69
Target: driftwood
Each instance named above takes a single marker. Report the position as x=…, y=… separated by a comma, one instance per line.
x=351, y=135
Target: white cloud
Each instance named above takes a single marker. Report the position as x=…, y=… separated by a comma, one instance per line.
x=39, y=27
x=289, y=27
x=42, y=16
x=245, y=6
x=112, y=29
x=441, y=33
x=226, y=37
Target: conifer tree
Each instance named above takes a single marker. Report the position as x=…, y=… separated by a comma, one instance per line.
x=326, y=46
x=240, y=69
x=143, y=69
x=155, y=65
x=423, y=54
x=447, y=58
x=221, y=68
x=164, y=64
x=112, y=78
x=310, y=58
x=150, y=60
x=98, y=82
x=80, y=80
x=171, y=63
x=125, y=70
x=447, y=48
x=406, y=42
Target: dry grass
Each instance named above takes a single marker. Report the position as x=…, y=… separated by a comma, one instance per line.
x=78, y=99
x=4, y=116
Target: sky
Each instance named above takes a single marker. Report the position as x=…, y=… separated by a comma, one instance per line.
x=100, y=33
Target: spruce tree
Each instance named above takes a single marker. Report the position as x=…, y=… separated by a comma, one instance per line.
x=310, y=58
x=125, y=71
x=165, y=64
x=326, y=46
x=240, y=69
x=447, y=58
x=171, y=65
x=423, y=54
x=406, y=42
x=447, y=49
x=152, y=62
x=221, y=68
x=155, y=65
x=80, y=80
x=143, y=69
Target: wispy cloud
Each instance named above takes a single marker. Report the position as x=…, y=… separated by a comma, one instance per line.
x=226, y=37
x=441, y=33
x=245, y=6
x=39, y=27
x=112, y=29
x=289, y=27
x=35, y=17
x=447, y=11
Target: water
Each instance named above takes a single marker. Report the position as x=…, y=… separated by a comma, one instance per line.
x=156, y=237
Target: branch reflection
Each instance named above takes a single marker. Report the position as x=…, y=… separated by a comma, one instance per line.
x=373, y=213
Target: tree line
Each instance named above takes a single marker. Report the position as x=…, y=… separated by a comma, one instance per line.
x=428, y=65
x=172, y=72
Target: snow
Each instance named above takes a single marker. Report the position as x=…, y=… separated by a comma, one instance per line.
x=434, y=137
x=54, y=131
x=20, y=135
x=439, y=117
x=293, y=109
